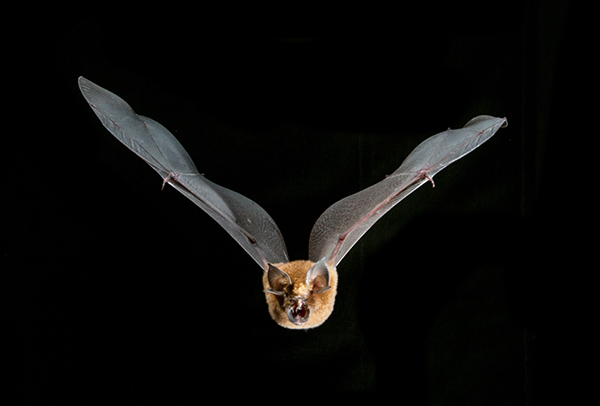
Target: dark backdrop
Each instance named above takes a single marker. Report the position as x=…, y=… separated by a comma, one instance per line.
x=113, y=289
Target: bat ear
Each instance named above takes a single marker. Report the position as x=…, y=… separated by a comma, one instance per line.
x=278, y=280
x=318, y=277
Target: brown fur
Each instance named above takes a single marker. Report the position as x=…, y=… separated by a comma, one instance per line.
x=320, y=305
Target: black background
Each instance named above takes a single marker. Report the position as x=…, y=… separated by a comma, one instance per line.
x=113, y=289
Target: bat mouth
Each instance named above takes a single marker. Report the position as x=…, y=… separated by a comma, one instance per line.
x=298, y=312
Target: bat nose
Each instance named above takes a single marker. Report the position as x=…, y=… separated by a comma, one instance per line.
x=298, y=312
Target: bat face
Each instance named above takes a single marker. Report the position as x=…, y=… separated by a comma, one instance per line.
x=300, y=294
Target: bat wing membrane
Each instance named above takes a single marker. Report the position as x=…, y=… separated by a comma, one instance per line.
x=345, y=222
x=243, y=219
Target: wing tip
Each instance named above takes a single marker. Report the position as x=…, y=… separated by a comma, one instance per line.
x=82, y=81
x=85, y=85
x=484, y=117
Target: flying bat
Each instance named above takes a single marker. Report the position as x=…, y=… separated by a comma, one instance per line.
x=300, y=294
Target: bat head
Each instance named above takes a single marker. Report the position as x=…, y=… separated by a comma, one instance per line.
x=300, y=294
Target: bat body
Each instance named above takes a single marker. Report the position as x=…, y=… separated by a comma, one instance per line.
x=300, y=294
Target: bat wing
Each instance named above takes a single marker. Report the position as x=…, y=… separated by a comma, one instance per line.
x=244, y=220
x=342, y=224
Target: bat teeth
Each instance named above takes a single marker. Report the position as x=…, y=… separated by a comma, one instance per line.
x=299, y=312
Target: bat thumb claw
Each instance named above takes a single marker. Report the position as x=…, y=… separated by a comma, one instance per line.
x=168, y=178
x=429, y=178
x=425, y=175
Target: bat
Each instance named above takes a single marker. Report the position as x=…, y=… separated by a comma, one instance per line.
x=300, y=294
